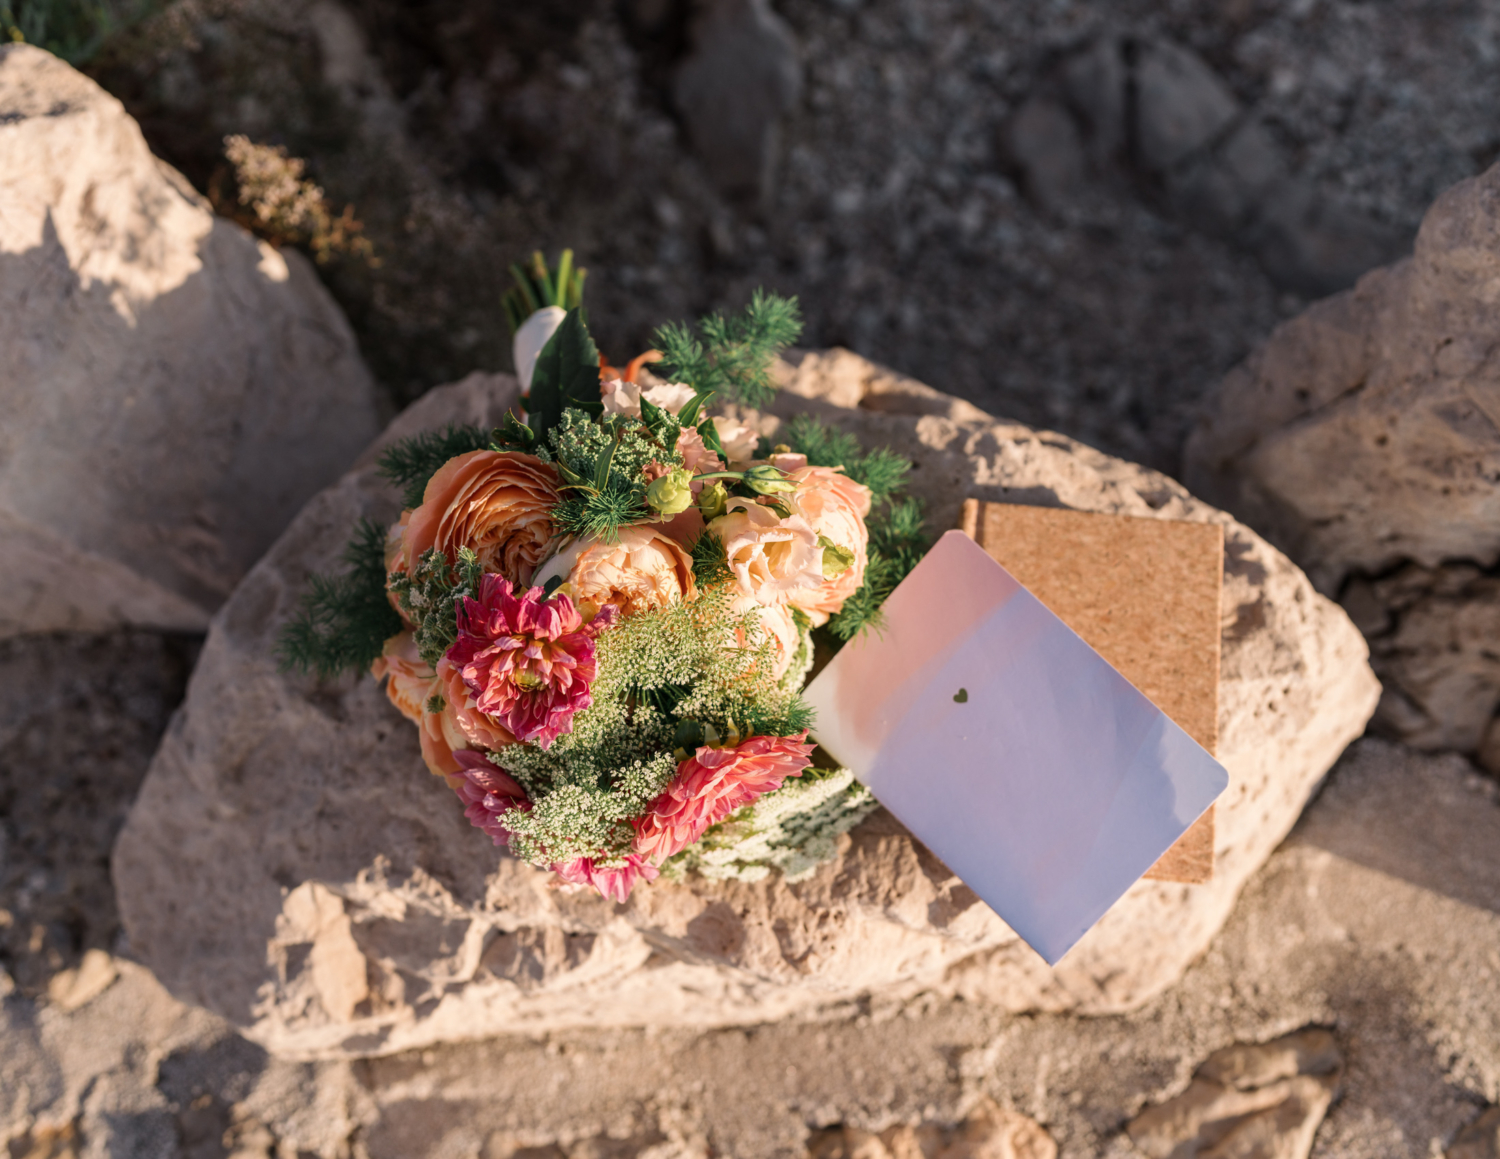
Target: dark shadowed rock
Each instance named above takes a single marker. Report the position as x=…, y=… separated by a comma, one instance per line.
x=1042, y=140
x=1181, y=104
x=743, y=73
x=1365, y=434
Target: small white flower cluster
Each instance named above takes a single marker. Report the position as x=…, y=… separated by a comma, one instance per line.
x=794, y=830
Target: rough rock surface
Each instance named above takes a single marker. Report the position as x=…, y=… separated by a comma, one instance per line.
x=467, y=140
x=174, y=390
x=1432, y=634
x=1247, y=1101
x=988, y=1132
x=732, y=90
x=1365, y=434
x=1366, y=431
x=288, y=864
x=1379, y=917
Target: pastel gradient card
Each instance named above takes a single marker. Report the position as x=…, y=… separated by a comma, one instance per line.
x=1009, y=747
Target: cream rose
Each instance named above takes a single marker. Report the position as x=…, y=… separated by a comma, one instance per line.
x=771, y=557
x=738, y=440
x=835, y=507
x=774, y=622
x=623, y=398
x=498, y=503
x=644, y=568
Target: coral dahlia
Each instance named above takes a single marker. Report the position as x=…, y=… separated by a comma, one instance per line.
x=488, y=794
x=710, y=785
x=528, y=660
x=614, y=884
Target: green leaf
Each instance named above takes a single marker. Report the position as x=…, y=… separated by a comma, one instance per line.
x=602, y=464
x=654, y=417
x=688, y=415
x=512, y=432
x=710, y=436
x=566, y=375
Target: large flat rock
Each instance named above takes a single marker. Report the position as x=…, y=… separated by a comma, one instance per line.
x=173, y=389
x=290, y=864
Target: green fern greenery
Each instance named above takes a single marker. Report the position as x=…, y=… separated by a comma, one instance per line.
x=898, y=541
x=410, y=463
x=881, y=470
x=343, y=621
x=734, y=358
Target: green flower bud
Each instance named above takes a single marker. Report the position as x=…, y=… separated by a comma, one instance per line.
x=713, y=501
x=836, y=560
x=672, y=493
x=768, y=480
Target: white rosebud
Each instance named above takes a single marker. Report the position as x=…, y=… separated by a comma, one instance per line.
x=526, y=347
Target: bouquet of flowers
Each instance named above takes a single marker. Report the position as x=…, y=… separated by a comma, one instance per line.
x=600, y=618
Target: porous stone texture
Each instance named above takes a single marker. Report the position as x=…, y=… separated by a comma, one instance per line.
x=1248, y=1101
x=174, y=390
x=1365, y=435
x=290, y=865
x=1433, y=634
x=1379, y=918
x=989, y=1131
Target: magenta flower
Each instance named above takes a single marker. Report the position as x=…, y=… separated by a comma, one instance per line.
x=614, y=884
x=488, y=794
x=528, y=660
x=710, y=785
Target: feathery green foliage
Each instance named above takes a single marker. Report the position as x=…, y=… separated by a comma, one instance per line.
x=410, y=463
x=429, y=594
x=710, y=563
x=898, y=541
x=343, y=621
x=669, y=669
x=736, y=360
x=600, y=512
x=881, y=470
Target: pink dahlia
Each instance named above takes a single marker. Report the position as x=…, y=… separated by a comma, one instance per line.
x=710, y=785
x=614, y=884
x=488, y=794
x=528, y=660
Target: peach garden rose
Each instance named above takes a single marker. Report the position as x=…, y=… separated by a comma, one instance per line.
x=497, y=503
x=772, y=558
x=644, y=568
x=835, y=507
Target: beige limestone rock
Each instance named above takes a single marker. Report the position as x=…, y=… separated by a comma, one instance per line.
x=174, y=390
x=282, y=819
x=1366, y=431
x=1379, y=915
x=990, y=1131
x=1248, y=1101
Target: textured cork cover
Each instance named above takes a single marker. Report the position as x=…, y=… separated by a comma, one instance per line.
x=1144, y=594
